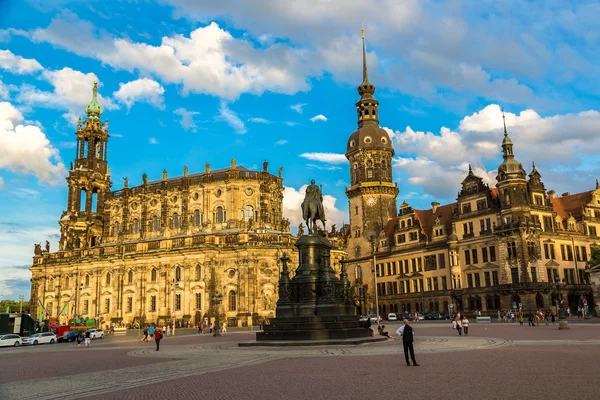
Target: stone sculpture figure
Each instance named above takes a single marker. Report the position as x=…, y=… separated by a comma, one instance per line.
x=207, y=168
x=301, y=229
x=185, y=170
x=145, y=178
x=280, y=172
x=37, y=249
x=164, y=174
x=233, y=163
x=312, y=207
x=265, y=166
x=47, y=246
x=125, y=183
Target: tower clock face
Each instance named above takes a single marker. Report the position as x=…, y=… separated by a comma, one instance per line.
x=370, y=200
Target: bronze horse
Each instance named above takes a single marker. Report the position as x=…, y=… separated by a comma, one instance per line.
x=311, y=213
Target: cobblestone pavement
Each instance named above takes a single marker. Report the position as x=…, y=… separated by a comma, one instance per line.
x=540, y=362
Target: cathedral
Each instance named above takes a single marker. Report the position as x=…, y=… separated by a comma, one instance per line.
x=515, y=246
x=165, y=250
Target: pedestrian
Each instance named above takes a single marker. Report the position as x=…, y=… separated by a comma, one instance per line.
x=224, y=327
x=521, y=319
x=151, y=331
x=87, y=338
x=465, y=325
x=553, y=318
x=407, y=334
x=459, y=326
x=158, y=335
x=79, y=338
x=211, y=327
x=200, y=328
x=368, y=325
x=454, y=322
x=168, y=330
x=531, y=320
x=145, y=338
x=547, y=319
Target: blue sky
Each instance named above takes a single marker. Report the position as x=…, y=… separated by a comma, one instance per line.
x=187, y=82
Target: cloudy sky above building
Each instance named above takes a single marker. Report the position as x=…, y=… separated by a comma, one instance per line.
x=185, y=82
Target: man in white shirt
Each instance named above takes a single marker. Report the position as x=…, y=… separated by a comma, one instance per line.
x=406, y=332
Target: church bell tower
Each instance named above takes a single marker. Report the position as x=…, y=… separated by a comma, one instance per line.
x=372, y=194
x=89, y=182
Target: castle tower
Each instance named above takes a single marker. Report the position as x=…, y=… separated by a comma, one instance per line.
x=372, y=194
x=88, y=181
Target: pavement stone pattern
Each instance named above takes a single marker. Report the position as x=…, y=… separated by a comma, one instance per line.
x=193, y=366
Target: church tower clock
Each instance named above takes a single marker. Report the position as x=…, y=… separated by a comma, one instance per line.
x=372, y=194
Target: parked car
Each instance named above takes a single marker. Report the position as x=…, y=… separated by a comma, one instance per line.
x=392, y=317
x=10, y=340
x=374, y=318
x=430, y=317
x=40, y=338
x=68, y=337
x=363, y=318
x=96, y=334
x=421, y=317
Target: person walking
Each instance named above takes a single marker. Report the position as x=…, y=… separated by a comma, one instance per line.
x=459, y=326
x=553, y=318
x=224, y=327
x=531, y=320
x=87, y=338
x=79, y=338
x=145, y=338
x=521, y=319
x=151, y=331
x=408, y=337
x=465, y=325
x=200, y=328
x=158, y=335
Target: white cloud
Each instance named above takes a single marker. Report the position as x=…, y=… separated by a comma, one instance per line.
x=5, y=90
x=209, y=61
x=141, y=91
x=225, y=114
x=25, y=149
x=152, y=140
x=298, y=107
x=324, y=167
x=331, y=158
x=2, y=184
x=281, y=142
x=292, y=201
x=187, y=118
x=258, y=120
x=17, y=64
x=72, y=91
x=319, y=117
x=290, y=123
x=439, y=162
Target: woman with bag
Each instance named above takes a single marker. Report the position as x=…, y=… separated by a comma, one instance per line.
x=459, y=326
x=465, y=325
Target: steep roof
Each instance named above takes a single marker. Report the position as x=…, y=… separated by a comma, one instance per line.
x=427, y=219
x=571, y=204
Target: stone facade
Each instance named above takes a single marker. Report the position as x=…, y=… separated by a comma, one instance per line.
x=493, y=249
x=162, y=249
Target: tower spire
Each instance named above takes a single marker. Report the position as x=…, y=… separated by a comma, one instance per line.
x=504, y=120
x=365, y=71
x=94, y=109
x=507, y=145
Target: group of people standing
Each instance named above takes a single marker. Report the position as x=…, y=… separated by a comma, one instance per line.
x=460, y=323
x=202, y=326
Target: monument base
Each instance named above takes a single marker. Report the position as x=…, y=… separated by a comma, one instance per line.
x=316, y=328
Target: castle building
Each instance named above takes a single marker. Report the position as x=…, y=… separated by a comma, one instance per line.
x=515, y=246
x=160, y=251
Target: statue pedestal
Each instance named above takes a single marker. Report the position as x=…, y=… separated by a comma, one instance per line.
x=315, y=304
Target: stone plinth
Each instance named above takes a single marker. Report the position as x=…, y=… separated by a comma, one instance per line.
x=315, y=304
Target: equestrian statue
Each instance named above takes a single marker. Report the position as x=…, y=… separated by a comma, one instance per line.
x=312, y=207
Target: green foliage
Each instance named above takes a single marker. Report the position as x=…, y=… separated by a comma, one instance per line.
x=594, y=257
x=13, y=306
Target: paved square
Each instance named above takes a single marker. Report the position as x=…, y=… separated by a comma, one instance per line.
x=492, y=362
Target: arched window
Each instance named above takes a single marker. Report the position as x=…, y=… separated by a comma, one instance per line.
x=220, y=217
x=153, y=275
x=402, y=224
x=67, y=282
x=357, y=251
x=197, y=218
x=130, y=277
x=87, y=281
x=232, y=300
x=135, y=226
x=248, y=213
x=177, y=274
x=539, y=300
x=116, y=229
x=82, y=198
x=410, y=222
x=175, y=221
x=198, y=272
x=51, y=284
x=155, y=224
x=516, y=300
x=108, y=278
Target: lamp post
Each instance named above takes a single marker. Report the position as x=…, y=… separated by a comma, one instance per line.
x=216, y=300
x=374, y=249
x=562, y=318
x=175, y=285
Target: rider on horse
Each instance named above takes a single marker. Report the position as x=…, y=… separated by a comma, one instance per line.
x=312, y=207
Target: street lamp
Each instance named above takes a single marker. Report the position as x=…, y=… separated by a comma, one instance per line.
x=175, y=285
x=374, y=249
x=562, y=318
x=216, y=300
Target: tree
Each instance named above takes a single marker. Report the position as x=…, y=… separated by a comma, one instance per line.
x=13, y=306
x=594, y=257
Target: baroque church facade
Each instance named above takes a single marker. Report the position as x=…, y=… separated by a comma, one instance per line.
x=515, y=246
x=160, y=251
